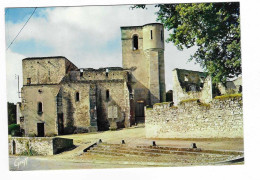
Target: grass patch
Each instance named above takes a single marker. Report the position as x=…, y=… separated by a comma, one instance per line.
x=174, y=107
x=149, y=108
x=157, y=104
x=227, y=96
x=188, y=100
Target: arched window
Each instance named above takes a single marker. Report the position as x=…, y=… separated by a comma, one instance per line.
x=40, y=108
x=81, y=72
x=77, y=96
x=135, y=42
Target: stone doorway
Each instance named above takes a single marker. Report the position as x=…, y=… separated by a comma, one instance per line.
x=40, y=129
x=139, y=111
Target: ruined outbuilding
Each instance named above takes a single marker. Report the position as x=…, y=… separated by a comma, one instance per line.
x=189, y=84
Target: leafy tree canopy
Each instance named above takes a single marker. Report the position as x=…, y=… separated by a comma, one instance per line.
x=214, y=28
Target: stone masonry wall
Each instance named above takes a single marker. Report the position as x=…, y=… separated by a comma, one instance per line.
x=222, y=118
x=38, y=145
x=119, y=99
x=31, y=96
x=46, y=70
x=27, y=145
x=76, y=112
x=61, y=144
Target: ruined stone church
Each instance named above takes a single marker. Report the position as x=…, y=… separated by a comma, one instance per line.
x=60, y=98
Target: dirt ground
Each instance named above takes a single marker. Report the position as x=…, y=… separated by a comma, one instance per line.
x=136, y=136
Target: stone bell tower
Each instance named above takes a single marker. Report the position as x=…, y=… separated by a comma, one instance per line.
x=143, y=52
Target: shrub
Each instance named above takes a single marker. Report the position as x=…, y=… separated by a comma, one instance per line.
x=14, y=129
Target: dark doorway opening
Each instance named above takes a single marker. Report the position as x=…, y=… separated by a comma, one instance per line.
x=14, y=147
x=40, y=129
x=139, y=112
x=60, y=124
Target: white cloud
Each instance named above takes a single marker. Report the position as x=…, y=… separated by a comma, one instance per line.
x=80, y=26
x=81, y=33
x=13, y=68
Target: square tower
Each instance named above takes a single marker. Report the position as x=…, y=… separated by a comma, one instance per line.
x=143, y=53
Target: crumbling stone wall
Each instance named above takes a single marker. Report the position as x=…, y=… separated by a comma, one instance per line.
x=38, y=145
x=191, y=85
x=99, y=83
x=45, y=70
x=76, y=113
x=222, y=118
x=234, y=86
x=31, y=96
x=116, y=109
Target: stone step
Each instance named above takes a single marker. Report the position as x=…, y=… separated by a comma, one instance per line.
x=164, y=159
x=224, y=152
x=124, y=152
x=146, y=150
x=97, y=158
x=149, y=152
x=179, y=151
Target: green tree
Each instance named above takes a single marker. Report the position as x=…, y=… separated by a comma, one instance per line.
x=214, y=28
x=11, y=107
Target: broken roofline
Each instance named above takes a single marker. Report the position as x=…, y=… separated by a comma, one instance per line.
x=84, y=69
x=45, y=57
x=228, y=79
x=188, y=70
x=102, y=69
x=49, y=57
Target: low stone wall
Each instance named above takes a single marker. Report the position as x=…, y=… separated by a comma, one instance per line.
x=222, y=118
x=38, y=145
x=61, y=144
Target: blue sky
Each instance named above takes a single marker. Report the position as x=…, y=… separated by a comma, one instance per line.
x=89, y=36
x=17, y=15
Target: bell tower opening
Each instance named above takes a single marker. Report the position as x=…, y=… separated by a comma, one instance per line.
x=135, y=42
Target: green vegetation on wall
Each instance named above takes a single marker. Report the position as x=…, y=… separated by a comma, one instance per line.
x=14, y=129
